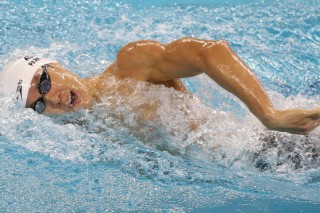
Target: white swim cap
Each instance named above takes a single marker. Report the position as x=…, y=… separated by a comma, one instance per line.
x=16, y=77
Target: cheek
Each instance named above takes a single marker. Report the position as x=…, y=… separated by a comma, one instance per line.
x=33, y=95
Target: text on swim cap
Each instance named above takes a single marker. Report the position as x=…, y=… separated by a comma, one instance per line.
x=33, y=61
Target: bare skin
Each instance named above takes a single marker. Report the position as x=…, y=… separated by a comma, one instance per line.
x=153, y=62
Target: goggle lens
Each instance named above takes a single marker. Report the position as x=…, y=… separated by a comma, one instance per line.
x=39, y=106
x=44, y=86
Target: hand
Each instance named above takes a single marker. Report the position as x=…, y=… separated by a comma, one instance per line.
x=295, y=121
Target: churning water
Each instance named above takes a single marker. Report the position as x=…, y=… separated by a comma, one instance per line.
x=198, y=152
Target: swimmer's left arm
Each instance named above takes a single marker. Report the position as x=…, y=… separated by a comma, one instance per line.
x=154, y=62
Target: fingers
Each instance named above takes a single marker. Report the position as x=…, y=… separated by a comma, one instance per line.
x=314, y=123
x=315, y=114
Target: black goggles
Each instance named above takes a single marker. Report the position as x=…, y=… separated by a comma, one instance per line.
x=44, y=86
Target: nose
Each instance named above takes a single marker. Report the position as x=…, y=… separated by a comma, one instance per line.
x=53, y=98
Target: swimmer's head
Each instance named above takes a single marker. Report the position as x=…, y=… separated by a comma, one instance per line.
x=46, y=86
x=15, y=78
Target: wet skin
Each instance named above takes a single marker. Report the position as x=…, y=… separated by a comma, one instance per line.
x=153, y=62
x=68, y=91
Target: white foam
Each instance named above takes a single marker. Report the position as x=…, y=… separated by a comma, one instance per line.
x=227, y=134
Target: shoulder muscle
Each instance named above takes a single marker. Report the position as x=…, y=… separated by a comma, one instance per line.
x=138, y=59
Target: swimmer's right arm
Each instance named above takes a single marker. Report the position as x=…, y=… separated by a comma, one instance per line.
x=152, y=61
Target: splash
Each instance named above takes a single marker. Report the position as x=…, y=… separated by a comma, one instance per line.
x=197, y=146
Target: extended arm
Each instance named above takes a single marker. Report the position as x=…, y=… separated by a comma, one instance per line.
x=154, y=62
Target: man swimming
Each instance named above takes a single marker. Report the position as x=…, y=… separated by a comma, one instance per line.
x=47, y=87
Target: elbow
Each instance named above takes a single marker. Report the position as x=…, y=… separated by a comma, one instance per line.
x=215, y=45
x=224, y=43
x=213, y=52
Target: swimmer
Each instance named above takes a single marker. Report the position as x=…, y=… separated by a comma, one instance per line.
x=45, y=86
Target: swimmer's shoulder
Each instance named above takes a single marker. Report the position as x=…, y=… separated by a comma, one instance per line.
x=137, y=60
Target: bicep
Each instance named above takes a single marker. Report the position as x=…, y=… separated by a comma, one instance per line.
x=182, y=58
x=153, y=61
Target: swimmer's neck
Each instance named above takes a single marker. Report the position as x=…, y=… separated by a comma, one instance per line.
x=99, y=84
x=94, y=85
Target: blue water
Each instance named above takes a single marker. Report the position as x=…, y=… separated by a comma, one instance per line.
x=104, y=160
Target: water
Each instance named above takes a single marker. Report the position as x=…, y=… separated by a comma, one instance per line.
x=108, y=160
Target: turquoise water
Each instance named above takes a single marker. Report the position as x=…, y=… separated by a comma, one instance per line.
x=104, y=160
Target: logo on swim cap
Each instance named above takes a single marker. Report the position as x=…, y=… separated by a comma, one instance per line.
x=33, y=61
x=27, y=57
x=16, y=77
x=19, y=90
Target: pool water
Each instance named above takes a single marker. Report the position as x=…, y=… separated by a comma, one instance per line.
x=107, y=160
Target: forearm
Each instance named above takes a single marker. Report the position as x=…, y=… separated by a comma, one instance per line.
x=226, y=68
x=189, y=56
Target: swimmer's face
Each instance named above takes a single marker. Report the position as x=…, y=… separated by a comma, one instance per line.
x=68, y=92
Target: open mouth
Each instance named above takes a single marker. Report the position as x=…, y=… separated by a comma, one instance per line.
x=72, y=99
